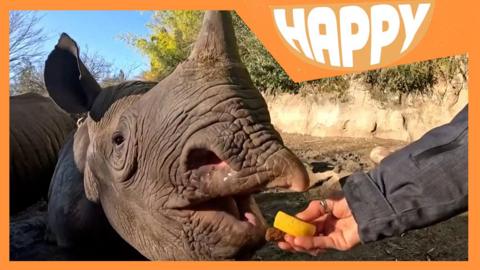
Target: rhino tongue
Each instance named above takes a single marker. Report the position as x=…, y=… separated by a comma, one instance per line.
x=251, y=211
x=251, y=218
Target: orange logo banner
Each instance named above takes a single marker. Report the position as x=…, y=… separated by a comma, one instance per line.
x=354, y=37
x=315, y=39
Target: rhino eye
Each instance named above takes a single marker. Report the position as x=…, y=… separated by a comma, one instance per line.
x=118, y=138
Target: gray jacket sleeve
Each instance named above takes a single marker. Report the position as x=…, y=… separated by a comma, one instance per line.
x=421, y=184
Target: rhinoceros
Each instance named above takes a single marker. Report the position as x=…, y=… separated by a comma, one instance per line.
x=172, y=167
x=38, y=129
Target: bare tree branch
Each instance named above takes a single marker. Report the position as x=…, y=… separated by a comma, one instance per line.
x=96, y=64
x=26, y=40
x=28, y=80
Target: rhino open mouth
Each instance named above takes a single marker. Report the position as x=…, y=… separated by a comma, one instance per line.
x=198, y=158
x=218, y=188
x=224, y=195
x=208, y=168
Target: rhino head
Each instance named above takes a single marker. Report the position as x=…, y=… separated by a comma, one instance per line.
x=174, y=168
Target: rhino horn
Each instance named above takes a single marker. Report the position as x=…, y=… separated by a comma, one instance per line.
x=216, y=41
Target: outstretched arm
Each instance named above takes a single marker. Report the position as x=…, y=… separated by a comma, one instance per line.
x=421, y=184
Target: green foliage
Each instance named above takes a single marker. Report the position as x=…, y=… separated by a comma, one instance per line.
x=417, y=77
x=448, y=67
x=172, y=33
x=335, y=86
x=413, y=78
x=266, y=73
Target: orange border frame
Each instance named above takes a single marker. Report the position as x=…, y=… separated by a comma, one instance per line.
x=456, y=39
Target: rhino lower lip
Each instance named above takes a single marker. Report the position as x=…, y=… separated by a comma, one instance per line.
x=240, y=207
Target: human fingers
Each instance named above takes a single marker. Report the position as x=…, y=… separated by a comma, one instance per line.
x=285, y=246
x=313, y=243
x=289, y=239
x=288, y=246
x=315, y=210
x=316, y=252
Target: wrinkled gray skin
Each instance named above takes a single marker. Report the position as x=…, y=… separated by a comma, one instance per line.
x=173, y=168
x=38, y=128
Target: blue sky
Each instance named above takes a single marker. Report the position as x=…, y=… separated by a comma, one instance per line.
x=100, y=31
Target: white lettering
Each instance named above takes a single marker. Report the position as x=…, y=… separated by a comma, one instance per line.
x=380, y=38
x=411, y=23
x=328, y=41
x=349, y=16
x=321, y=31
x=295, y=32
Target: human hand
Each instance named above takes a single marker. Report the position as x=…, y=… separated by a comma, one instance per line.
x=336, y=228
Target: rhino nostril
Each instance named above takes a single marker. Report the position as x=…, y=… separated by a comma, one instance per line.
x=200, y=157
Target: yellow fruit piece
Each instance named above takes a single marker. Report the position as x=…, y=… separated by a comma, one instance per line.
x=292, y=225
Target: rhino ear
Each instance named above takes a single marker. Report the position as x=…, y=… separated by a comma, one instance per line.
x=91, y=186
x=80, y=148
x=68, y=81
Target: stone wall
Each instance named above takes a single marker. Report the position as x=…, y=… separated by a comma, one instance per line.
x=361, y=116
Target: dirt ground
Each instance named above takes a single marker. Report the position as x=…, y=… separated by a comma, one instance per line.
x=445, y=241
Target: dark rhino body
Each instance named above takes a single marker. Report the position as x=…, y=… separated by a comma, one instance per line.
x=38, y=128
